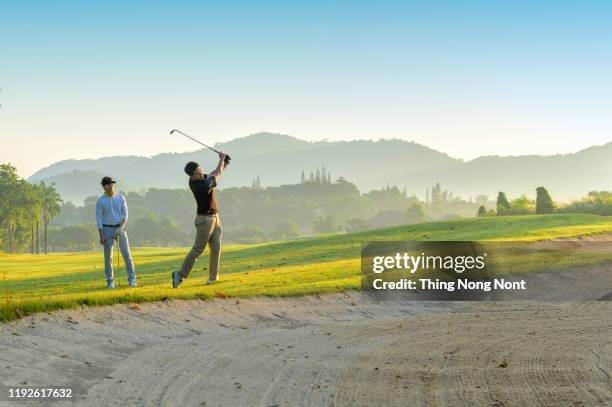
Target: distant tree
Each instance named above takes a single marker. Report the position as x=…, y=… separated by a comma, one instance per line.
x=256, y=185
x=544, y=203
x=51, y=201
x=312, y=177
x=436, y=193
x=503, y=205
x=437, y=200
x=303, y=178
x=31, y=210
x=521, y=206
x=318, y=177
x=390, y=199
x=482, y=211
x=286, y=230
x=32, y=198
x=20, y=210
x=416, y=214
x=341, y=180
x=169, y=233
x=250, y=234
x=596, y=203
x=356, y=225
x=74, y=237
x=445, y=196
x=325, y=224
x=146, y=230
x=481, y=199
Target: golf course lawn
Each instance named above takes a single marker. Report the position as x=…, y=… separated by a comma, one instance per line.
x=38, y=283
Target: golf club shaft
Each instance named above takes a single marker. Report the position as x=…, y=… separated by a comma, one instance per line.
x=118, y=250
x=197, y=141
x=227, y=157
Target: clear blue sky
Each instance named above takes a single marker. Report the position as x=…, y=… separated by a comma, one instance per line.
x=465, y=77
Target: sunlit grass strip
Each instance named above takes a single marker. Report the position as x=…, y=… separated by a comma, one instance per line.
x=296, y=280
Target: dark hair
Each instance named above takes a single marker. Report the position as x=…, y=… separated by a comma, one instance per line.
x=107, y=180
x=191, y=167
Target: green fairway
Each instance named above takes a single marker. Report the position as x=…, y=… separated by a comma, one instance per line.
x=314, y=265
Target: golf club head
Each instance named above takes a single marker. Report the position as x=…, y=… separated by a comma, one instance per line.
x=172, y=131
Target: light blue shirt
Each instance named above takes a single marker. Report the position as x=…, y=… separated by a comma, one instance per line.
x=111, y=210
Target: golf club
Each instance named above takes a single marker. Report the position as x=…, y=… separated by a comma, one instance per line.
x=227, y=157
x=118, y=265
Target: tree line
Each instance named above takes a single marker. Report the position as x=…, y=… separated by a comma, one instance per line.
x=164, y=217
x=314, y=205
x=24, y=207
x=596, y=203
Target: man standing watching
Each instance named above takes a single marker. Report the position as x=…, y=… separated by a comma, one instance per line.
x=111, y=217
x=207, y=224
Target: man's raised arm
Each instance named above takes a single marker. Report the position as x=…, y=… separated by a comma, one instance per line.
x=220, y=167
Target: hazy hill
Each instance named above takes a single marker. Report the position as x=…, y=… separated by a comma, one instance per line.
x=279, y=159
x=566, y=176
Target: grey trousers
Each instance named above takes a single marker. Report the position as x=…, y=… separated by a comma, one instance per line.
x=124, y=247
x=208, y=231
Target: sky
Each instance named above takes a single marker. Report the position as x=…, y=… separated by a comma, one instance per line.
x=468, y=78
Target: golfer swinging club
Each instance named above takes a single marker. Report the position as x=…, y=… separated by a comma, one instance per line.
x=111, y=217
x=207, y=224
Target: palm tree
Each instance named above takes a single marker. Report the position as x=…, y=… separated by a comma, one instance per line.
x=51, y=201
x=22, y=207
x=29, y=209
x=8, y=181
x=15, y=204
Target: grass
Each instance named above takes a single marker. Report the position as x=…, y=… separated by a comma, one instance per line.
x=30, y=284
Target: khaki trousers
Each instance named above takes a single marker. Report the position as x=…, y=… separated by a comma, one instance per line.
x=208, y=231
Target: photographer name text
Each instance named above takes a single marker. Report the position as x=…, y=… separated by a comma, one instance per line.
x=450, y=286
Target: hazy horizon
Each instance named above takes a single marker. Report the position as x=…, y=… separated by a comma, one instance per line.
x=85, y=80
x=310, y=141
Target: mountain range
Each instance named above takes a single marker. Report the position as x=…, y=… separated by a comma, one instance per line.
x=280, y=159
